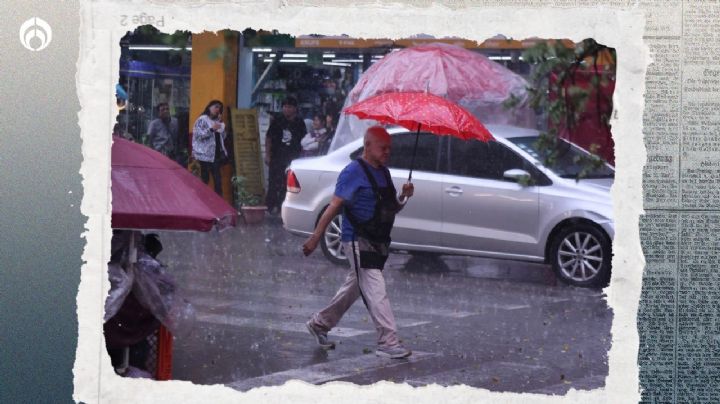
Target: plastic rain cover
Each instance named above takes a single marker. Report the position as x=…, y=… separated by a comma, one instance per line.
x=468, y=78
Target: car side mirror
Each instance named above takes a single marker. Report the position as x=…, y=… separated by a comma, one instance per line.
x=520, y=176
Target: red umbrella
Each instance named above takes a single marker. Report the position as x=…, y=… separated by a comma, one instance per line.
x=421, y=110
x=150, y=191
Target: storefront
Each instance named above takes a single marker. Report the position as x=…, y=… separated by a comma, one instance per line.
x=252, y=72
x=151, y=74
x=320, y=71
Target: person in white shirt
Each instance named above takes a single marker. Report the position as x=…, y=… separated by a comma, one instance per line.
x=313, y=142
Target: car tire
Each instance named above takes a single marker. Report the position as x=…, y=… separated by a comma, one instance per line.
x=331, y=243
x=581, y=255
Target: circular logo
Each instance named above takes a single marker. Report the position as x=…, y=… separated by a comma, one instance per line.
x=35, y=34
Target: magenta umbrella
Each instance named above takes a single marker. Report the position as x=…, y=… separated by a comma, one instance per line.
x=421, y=110
x=150, y=191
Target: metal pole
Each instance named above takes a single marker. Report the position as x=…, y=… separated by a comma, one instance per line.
x=412, y=162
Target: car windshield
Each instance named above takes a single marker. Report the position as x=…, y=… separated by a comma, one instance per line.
x=566, y=165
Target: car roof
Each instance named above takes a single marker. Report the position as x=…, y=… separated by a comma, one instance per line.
x=502, y=131
x=498, y=131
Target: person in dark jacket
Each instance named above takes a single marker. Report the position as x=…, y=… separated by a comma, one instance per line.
x=282, y=145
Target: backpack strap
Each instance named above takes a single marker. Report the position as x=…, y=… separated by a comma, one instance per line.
x=378, y=197
x=370, y=178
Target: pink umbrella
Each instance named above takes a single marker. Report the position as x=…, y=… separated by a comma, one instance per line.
x=457, y=74
x=150, y=191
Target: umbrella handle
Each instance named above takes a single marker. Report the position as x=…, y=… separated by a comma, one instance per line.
x=412, y=162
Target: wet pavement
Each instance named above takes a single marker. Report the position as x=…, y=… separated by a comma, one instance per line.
x=497, y=325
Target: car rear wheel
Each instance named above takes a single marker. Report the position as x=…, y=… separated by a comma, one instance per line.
x=581, y=255
x=331, y=242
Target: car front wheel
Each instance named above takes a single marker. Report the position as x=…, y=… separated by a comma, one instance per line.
x=331, y=242
x=581, y=255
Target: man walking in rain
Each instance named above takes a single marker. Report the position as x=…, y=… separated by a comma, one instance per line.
x=367, y=198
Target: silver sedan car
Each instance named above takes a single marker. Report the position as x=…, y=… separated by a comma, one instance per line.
x=488, y=199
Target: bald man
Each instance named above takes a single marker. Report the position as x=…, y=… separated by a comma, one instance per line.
x=366, y=196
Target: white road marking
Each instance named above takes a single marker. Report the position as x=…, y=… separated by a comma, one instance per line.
x=281, y=325
x=247, y=297
x=329, y=371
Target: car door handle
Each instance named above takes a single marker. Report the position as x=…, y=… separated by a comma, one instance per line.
x=454, y=190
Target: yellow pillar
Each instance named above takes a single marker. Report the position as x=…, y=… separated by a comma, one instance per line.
x=214, y=69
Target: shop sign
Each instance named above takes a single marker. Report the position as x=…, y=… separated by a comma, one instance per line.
x=501, y=44
x=342, y=43
x=529, y=43
x=246, y=142
x=422, y=41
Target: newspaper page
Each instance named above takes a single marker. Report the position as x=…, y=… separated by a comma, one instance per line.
x=679, y=354
x=679, y=336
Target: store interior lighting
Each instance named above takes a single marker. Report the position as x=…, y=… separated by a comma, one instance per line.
x=347, y=60
x=295, y=55
x=328, y=55
x=157, y=48
x=262, y=50
x=336, y=64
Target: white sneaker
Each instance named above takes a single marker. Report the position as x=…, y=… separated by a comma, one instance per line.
x=320, y=336
x=393, y=352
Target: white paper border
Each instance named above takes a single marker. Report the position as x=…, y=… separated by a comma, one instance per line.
x=100, y=33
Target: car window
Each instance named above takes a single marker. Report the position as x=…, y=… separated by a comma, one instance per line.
x=567, y=162
x=426, y=158
x=402, y=150
x=473, y=158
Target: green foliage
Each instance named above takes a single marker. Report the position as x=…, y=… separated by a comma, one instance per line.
x=151, y=35
x=243, y=197
x=560, y=100
x=224, y=52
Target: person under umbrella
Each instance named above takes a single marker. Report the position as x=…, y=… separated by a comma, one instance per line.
x=369, y=202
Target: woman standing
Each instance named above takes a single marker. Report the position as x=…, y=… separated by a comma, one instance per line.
x=207, y=143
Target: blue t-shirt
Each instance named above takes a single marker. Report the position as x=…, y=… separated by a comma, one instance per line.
x=353, y=186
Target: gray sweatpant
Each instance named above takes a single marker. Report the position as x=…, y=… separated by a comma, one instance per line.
x=372, y=285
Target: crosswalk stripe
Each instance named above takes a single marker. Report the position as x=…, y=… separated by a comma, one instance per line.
x=354, y=313
x=329, y=371
x=280, y=325
x=398, y=306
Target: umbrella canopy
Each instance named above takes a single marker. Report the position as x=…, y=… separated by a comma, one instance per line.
x=414, y=110
x=421, y=110
x=464, y=77
x=150, y=191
